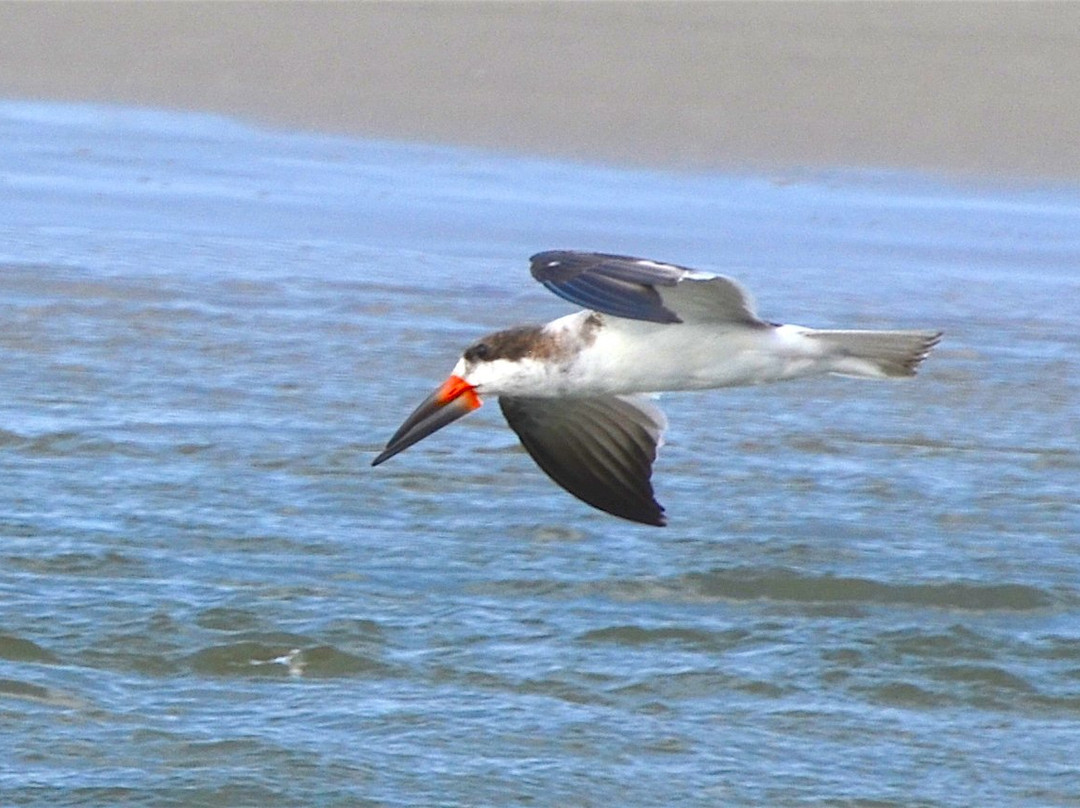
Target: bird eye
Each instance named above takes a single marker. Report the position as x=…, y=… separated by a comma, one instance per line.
x=480, y=350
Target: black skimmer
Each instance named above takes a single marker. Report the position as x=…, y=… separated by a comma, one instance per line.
x=576, y=390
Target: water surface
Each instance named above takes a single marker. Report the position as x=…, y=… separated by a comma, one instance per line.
x=868, y=594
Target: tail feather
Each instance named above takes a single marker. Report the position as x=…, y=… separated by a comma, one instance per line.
x=877, y=354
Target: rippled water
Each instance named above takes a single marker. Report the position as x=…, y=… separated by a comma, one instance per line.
x=868, y=594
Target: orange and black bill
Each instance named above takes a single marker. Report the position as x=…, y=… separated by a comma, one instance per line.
x=453, y=400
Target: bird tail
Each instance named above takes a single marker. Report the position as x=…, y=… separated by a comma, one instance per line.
x=876, y=354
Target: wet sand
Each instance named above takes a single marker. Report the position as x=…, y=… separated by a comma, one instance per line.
x=968, y=88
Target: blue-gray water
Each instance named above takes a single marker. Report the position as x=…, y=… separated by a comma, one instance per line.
x=868, y=594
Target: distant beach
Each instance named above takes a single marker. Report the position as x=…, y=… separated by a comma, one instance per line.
x=959, y=88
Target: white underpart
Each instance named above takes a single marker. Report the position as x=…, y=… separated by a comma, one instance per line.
x=631, y=356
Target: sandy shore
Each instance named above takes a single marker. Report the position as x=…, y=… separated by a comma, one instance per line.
x=969, y=88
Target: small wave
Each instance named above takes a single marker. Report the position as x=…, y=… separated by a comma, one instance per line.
x=71, y=443
x=264, y=658
x=28, y=691
x=634, y=635
x=18, y=649
x=109, y=564
x=787, y=585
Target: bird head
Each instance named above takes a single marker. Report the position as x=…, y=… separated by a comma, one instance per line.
x=500, y=363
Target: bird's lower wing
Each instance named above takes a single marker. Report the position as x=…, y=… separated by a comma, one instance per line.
x=600, y=449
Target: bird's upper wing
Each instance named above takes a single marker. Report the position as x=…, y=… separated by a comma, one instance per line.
x=640, y=289
x=600, y=449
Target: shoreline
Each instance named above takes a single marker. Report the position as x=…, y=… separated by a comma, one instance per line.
x=971, y=89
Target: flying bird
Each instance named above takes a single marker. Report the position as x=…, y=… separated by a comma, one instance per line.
x=576, y=389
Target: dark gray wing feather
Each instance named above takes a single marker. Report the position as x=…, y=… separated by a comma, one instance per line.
x=600, y=449
x=613, y=284
x=640, y=289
